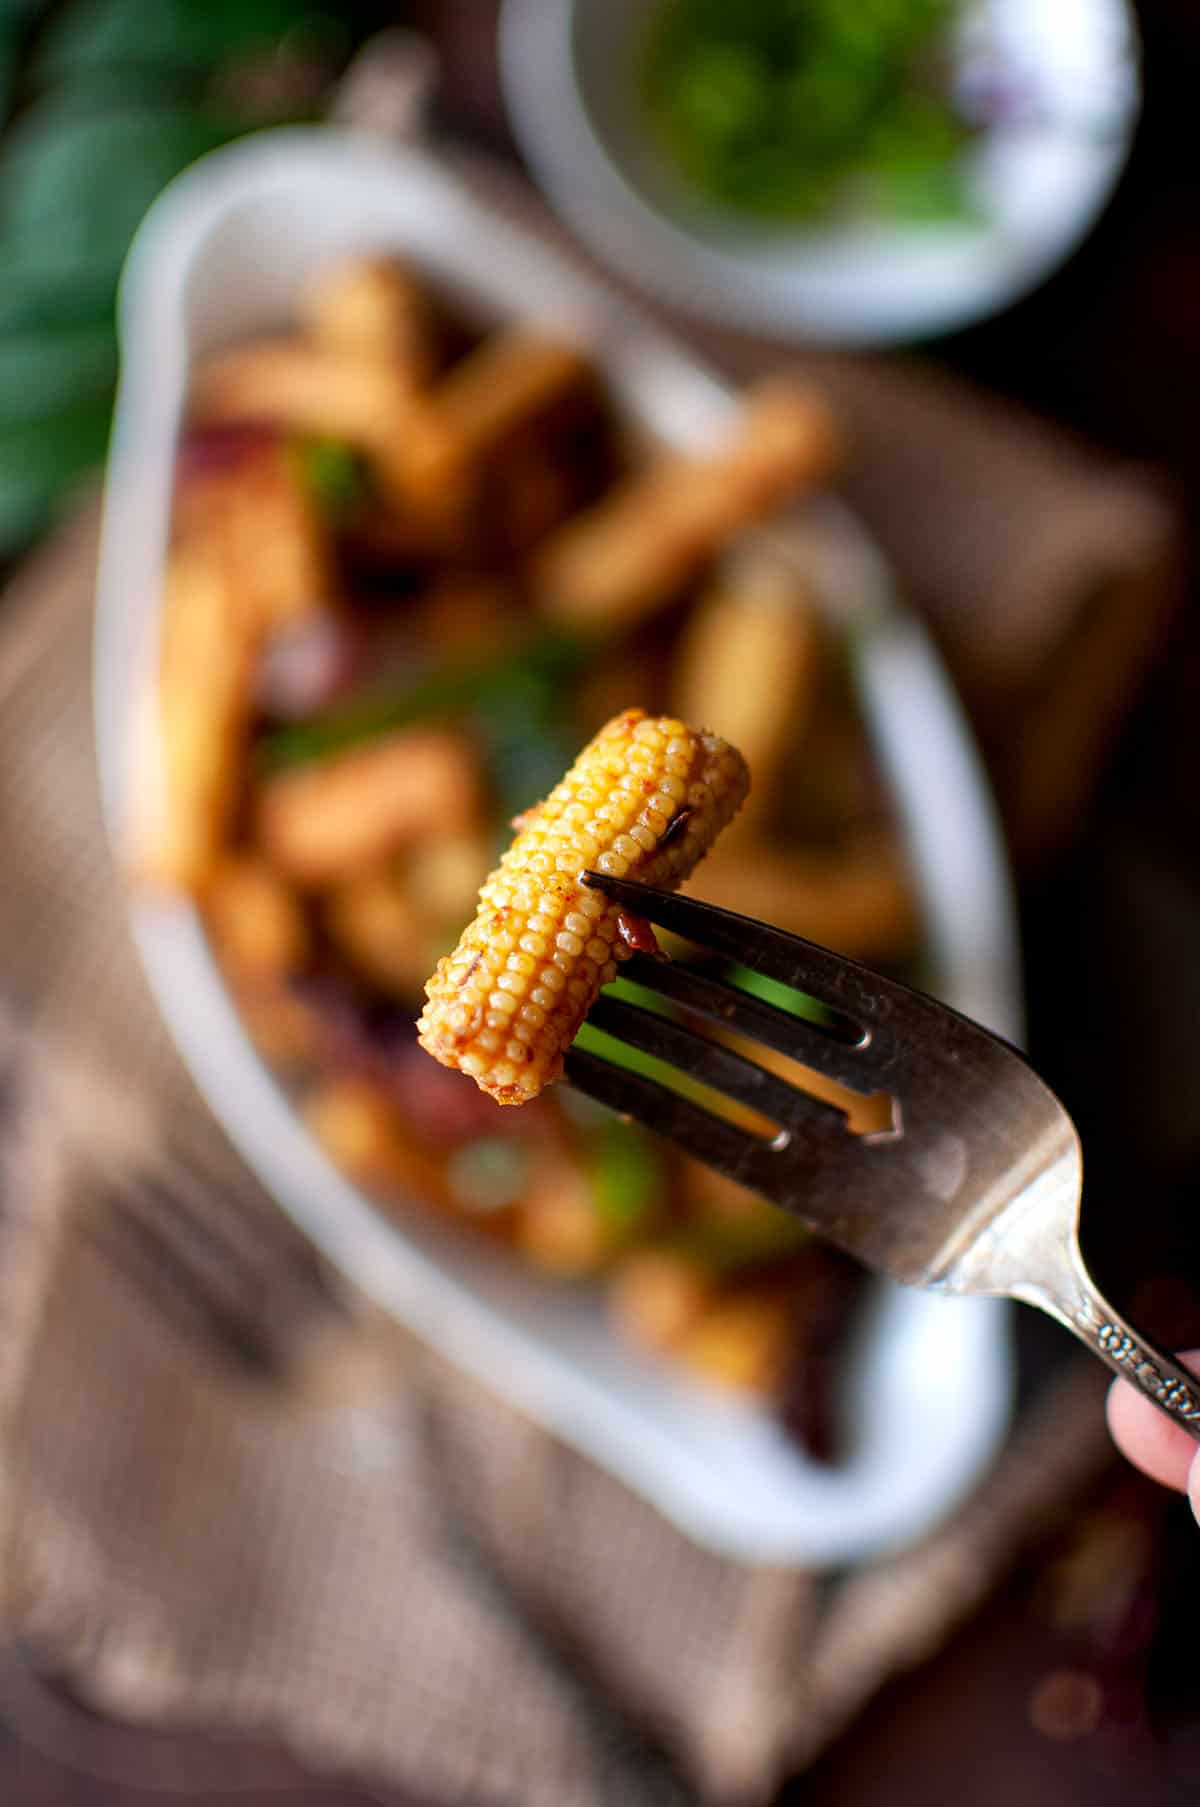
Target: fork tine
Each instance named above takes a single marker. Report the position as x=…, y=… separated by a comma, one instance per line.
x=833, y=980
x=714, y=1066
x=857, y=1066
x=722, y=1145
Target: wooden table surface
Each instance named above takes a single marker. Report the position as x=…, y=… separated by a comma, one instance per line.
x=1044, y=1698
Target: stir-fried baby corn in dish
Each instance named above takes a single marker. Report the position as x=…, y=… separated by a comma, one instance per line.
x=646, y=797
x=413, y=569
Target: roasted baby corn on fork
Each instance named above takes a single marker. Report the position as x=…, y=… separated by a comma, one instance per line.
x=645, y=798
x=974, y=1188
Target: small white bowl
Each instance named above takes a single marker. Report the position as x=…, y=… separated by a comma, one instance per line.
x=571, y=79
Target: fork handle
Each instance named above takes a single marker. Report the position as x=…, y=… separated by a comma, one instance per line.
x=1077, y=1302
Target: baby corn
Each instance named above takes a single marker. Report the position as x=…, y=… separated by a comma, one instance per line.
x=645, y=799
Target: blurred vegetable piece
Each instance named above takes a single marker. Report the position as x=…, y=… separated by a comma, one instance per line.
x=278, y=543
x=334, y=475
x=529, y=492
x=282, y=1026
x=336, y=394
x=557, y=1226
x=305, y=387
x=309, y=664
x=257, y=922
x=856, y=898
x=467, y=609
x=749, y=665
x=445, y=876
x=280, y=546
x=510, y=378
x=742, y=1341
x=454, y=689
x=205, y=688
x=626, y=1174
x=488, y=1175
x=377, y=310
x=798, y=112
x=634, y=550
x=323, y=824
x=359, y=1126
x=657, y=1295
x=509, y=1000
x=376, y=921
x=506, y=381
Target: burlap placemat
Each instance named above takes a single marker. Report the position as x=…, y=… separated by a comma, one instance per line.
x=231, y=1494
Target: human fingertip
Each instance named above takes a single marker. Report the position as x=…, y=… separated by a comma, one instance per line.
x=1148, y=1438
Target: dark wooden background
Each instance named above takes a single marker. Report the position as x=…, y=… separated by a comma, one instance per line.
x=1072, y=1688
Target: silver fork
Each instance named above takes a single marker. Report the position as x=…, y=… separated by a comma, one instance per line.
x=974, y=1187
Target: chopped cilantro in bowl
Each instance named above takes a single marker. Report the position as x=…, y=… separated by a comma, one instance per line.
x=807, y=110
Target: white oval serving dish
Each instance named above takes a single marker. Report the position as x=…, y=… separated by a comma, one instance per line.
x=224, y=253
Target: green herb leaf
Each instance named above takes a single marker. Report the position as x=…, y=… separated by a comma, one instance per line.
x=42, y=373
x=85, y=181
x=800, y=109
x=625, y=1172
x=432, y=692
x=336, y=476
x=185, y=35
x=44, y=289
x=39, y=462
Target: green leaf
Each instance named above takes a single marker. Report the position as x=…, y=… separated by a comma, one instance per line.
x=185, y=35
x=40, y=463
x=431, y=692
x=9, y=57
x=527, y=746
x=787, y=109
x=41, y=373
x=335, y=475
x=87, y=180
x=43, y=289
x=625, y=1172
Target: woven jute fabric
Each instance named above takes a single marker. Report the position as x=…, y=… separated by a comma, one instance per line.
x=254, y=1503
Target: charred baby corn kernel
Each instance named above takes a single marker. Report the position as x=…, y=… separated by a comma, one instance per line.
x=645, y=799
